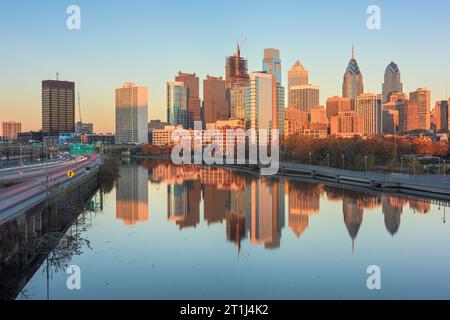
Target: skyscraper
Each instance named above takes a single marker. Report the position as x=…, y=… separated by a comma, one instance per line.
x=236, y=71
x=408, y=118
x=347, y=124
x=272, y=65
x=442, y=113
x=353, y=80
x=237, y=102
x=58, y=107
x=177, y=101
x=193, y=96
x=392, y=81
x=297, y=75
x=259, y=101
x=368, y=106
x=215, y=105
x=10, y=130
x=422, y=97
x=131, y=114
x=304, y=97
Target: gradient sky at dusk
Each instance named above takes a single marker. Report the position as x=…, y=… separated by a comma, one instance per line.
x=148, y=42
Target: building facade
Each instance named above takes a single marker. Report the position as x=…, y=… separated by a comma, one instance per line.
x=368, y=106
x=58, y=107
x=10, y=130
x=337, y=104
x=304, y=97
x=392, y=81
x=131, y=114
x=215, y=104
x=353, y=85
x=346, y=124
x=192, y=84
x=177, y=114
x=422, y=97
x=259, y=101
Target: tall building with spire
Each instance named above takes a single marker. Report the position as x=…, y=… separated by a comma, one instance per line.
x=392, y=81
x=353, y=80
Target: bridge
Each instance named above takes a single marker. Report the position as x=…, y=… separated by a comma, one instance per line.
x=35, y=184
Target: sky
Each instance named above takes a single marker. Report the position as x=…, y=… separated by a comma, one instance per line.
x=149, y=41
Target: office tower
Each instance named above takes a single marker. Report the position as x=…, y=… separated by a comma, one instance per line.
x=193, y=96
x=297, y=76
x=353, y=80
x=390, y=121
x=132, y=195
x=346, y=124
x=237, y=102
x=177, y=100
x=236, y=71
x=58, y=107
x=441, y=115
x=422, y=97
x=295, y=120
x=392, y=81
x=408, y=115
x=10, y=130
x=131, y=114
x=259, y=101
x=337, y=104
x=368, y=105
x=304, y=97
x=272, y=65
x=215, y=105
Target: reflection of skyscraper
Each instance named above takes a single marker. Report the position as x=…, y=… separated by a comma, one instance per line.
x=265, y=212
x=215, y=203
x=132, y=195
x=304, y=200
x=392, y=210
x=183, y=203
x=353, y=217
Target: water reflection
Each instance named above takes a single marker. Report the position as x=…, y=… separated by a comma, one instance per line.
x=252, y=207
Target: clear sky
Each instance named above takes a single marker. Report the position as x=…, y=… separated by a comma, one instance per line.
x=149, y=41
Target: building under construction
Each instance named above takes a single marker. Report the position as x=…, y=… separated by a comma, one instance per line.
x=236, y=71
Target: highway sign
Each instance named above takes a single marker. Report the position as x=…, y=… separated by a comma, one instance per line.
x=71, y=174
x=79, y=148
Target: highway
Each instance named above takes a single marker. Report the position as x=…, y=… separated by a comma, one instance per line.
x=38, y=187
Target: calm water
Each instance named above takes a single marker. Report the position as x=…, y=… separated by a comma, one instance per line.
x=166, y=232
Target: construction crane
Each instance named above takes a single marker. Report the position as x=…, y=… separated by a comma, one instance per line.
x=79, y=108
x=240, y=45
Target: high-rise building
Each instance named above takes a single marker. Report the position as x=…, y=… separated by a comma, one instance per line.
x=193, y=96
x=392, y=81
x=408, y=118
x=318, y=115
x=337, y=104
x=84, y=128
x=58, y=107
x=237, y=102
x=272, y=65
x=368, y=105
x=422, y=97
x=304, y=97
x=259, y=101
x=10, y=130
x=390, y=121
x=236, y=71
x=441, y=113
x=131, y=114
x=353, y=80
x=297, y=76
x=177, y=100
x=215, y=105
x=347, y=124
x=295, y=120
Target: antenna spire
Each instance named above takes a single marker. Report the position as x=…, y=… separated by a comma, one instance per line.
x=57, y=76
x=353, y=51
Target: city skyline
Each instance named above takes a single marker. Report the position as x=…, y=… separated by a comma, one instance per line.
x=96, y=86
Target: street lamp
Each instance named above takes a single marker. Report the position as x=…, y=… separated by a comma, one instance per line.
x=365, y=162
x=328, y=160
x=44, y=146
x=310, y=158
x=343, y=162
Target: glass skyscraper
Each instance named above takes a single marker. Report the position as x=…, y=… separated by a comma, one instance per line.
x=177, y=98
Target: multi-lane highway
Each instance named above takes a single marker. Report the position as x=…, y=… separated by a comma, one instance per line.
x=39, y=182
